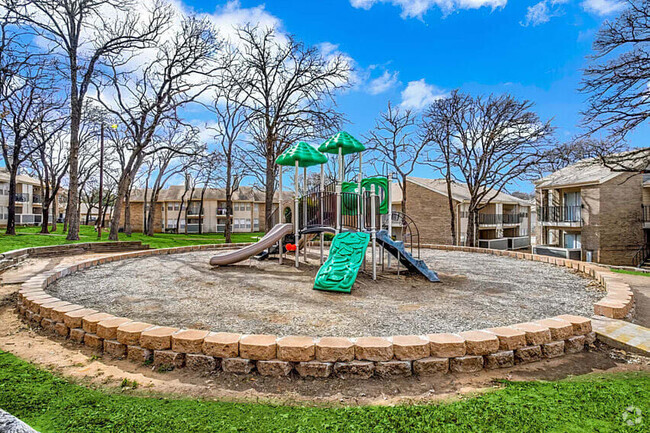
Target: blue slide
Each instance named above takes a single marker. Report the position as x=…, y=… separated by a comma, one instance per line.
x=396, y=248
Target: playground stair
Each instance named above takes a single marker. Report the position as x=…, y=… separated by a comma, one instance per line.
x=396, y=248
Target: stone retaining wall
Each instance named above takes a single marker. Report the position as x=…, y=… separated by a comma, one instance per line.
x=360, y=358
x=10, y=258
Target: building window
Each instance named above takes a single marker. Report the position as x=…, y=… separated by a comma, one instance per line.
x=248, y=207
x=248, y=223
x=170, y=206
x=236, y=223
x=256, y=223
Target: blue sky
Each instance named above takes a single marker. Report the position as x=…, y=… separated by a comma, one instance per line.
x=409, y=51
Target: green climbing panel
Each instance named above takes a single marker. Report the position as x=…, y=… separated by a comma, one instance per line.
x=346, y=255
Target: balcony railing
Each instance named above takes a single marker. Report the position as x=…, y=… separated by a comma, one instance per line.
x=222, y=211
x=561, y=214
x=37, y=199
x=511, y=218
x=497, y=219
x=22, y=197
x=646, y=213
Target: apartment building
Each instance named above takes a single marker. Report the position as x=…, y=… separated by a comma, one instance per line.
x=504, y=223
x=29, y=201
x=588, y=212
x=170, y=211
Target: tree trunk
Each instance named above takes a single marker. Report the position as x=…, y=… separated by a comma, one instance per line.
x=73, y=188
x=201, y=209
x=67, y=213
x=180, y=211
x=470, y=237
x=269, y=184
x=55, y=211
x=46, y=219
x=151, y=215
x=228, y=229
x=122, y=189
x=128, y=229
x=404, y=195
x=452, y=210
x=11, y=217
x=89, y=209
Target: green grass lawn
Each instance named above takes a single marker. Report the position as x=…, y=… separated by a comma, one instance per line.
x=29, y=237
x=625, y=271
x=586, y=404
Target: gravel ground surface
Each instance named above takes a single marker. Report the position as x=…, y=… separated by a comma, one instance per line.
x=478, y=291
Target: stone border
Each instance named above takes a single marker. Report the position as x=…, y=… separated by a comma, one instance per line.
x=10, y=258
x=360, y=358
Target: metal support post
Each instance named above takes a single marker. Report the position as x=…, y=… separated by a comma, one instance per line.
x=373, y=231
x=296, y=216
x=280, y=212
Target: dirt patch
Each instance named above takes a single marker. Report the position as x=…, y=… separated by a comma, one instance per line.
x=477, y=291
x=79, y=364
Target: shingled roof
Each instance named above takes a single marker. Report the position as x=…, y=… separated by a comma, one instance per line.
x=459, y=191
x=588, y=171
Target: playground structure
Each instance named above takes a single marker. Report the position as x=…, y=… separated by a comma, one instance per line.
x=358, y=214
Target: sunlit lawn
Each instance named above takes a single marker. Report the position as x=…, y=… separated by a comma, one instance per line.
x=584, y=404
x=29, y=237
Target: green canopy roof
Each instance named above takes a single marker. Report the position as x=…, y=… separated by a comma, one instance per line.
x=304, y=153
x=345, y=141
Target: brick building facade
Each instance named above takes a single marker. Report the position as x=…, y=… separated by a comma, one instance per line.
x=589, y=212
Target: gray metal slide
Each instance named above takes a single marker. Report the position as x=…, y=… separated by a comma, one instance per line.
x=272, y=237
x=396, y=248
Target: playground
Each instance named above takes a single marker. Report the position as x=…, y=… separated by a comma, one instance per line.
x=477, y=291
x=370, y=301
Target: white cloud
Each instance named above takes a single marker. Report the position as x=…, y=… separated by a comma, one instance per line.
x=417, y=8
x=419, y=94
x=603, y=7
x=537, y=14
x=383, y=83
x=543, y=11
x=230, y=16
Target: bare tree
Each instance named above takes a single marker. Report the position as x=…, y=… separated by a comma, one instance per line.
x=616, y=82
x=28, y=104
x=289, y=90
x=153, y=94
x=438, y=132
x=395, y=141
x=86, y=32
x=175, y=140
x=50, y=163
x=232, y=117
x=495, y=140
x=580, y=148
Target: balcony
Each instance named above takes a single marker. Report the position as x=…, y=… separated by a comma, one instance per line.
x=193, y=211
x=645, y=211
x=37, y=199
x=22, y=197
x=222, y=212
x=493, y=219
x=561, y=216
x=29, y=219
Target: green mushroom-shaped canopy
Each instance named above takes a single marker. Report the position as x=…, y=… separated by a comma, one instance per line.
x=343, y=140
x=304, y=153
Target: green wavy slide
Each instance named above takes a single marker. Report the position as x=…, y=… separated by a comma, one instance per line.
x=340, y=270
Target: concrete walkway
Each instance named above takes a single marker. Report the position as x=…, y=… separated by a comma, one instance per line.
x=622, y=335
x=641, y=287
